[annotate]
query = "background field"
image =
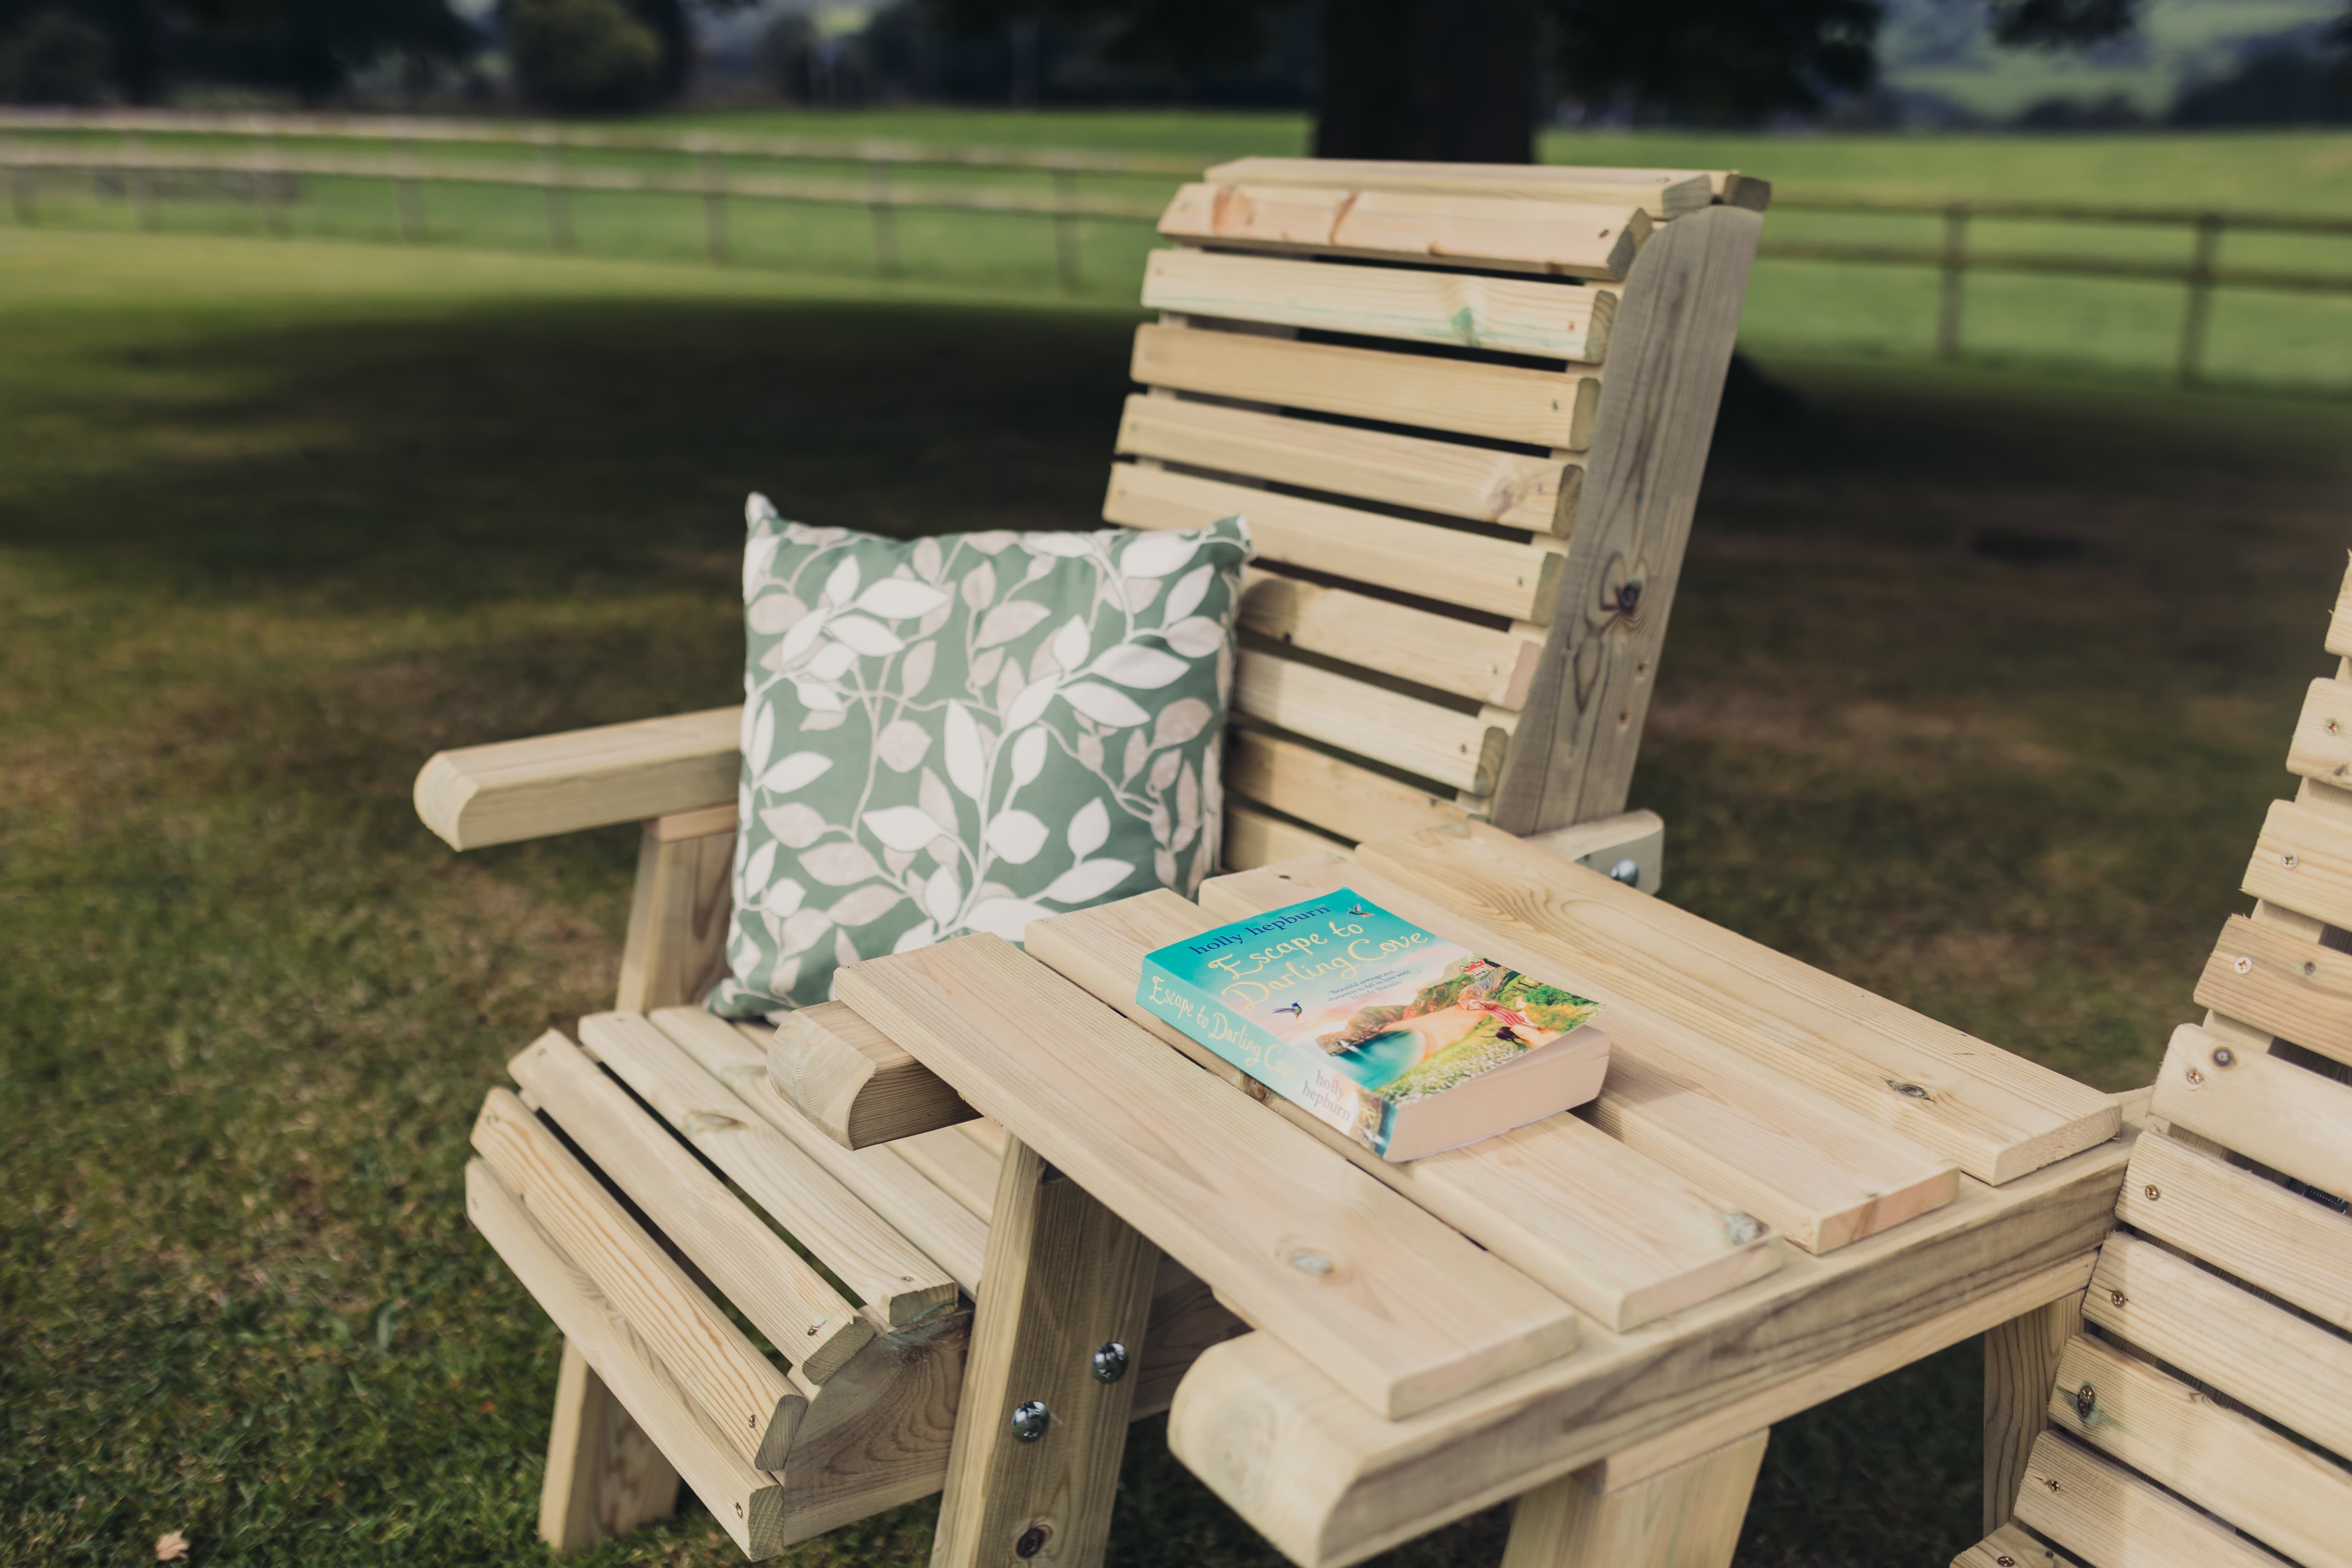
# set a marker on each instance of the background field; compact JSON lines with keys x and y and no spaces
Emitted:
{"x":2127,"y":329}
{"x":277,"y":520}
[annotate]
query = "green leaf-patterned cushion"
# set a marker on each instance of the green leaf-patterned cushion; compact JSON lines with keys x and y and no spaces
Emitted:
{"x":964,"y":734}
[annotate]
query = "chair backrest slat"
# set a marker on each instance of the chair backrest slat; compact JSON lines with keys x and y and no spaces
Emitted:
{"x":1352,"y":800}
{"x":1446,"y":653}
{"x":1661,"y":193}
{"x":1505,"y":233}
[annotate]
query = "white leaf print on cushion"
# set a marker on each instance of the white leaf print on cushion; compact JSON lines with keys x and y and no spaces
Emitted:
{"x":1087,"y":881}
{"x":1104,"y":705}
{"x":904,"y":827}
{"x":1017,"y":836}
{"x":1089,"y":829}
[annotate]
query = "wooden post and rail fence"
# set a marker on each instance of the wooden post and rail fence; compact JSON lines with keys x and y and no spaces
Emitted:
{"x":713,"y":168}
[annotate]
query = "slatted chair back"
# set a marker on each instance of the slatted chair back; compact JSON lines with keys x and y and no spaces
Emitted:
{"x":1465,"y":409}
{"x":2207,"y":1405}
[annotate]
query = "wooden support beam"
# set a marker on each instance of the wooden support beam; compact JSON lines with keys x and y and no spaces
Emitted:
{"x":1688,"y":1517}
{"x":676,"y":946}
{"x":2021,"y":1365}
{"x":605,"y":1477}
{"x":1066,"y":1290}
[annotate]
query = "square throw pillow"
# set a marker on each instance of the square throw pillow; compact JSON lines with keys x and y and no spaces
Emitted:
{"x":966,"y":732}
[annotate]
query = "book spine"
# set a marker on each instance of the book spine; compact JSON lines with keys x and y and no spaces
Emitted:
{"x":1331,"y":1096}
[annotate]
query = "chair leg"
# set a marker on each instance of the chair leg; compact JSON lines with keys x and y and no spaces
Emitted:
{"x":1063,"y":1277}
{"x":605,"y":1477}
{"x":1688,"y":1517}
{"x":2021,"y":1365}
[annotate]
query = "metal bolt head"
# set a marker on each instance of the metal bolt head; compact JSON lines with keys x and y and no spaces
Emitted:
{"x":1110,"y":1362}
{"x":2243,"y":965}
{"x":2005,"y":1563}
{"x":1307,"y":1262}
{"x":1031,"y":1541}
{"x":1030,"y":1419}
{"x":1627,"y":871}
{"x":1629,"y":594}
{"x":2151,"y":1192}
{"x":2086,"y":1399}
{"x":2224,"y":1057}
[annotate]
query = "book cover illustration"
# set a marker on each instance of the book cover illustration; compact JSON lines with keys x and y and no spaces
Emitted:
{"x":1352,"y":1011}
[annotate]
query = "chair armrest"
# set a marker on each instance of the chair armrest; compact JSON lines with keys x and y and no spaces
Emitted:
{"x":1629,"y":847}
{"x":583,"y":778}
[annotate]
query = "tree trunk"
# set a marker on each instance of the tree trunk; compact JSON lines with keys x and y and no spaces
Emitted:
{"x":1441,"y":80}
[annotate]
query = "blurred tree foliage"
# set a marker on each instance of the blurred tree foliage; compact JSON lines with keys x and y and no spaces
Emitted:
{"x":54,"y":57}
{"x":582,"y":56}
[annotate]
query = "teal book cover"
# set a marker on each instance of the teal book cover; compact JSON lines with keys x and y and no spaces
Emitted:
{"x":1358,"y":1015}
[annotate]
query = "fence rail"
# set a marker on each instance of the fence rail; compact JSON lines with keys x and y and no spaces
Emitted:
{"x":716,"y":176}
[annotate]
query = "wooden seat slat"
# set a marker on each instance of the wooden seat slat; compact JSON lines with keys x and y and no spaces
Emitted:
{"x":2289,"y":1497}
{"x":960,"y":1168}
{"x":1255,"y":838}
{"x":2258,"y":1229}
{"x":1661,"y":193}
{"x":2289,"y":1117}
{"x":1464,"y":749}
{"x":1475,"y":482}
{"x":1996,"y":1114}
{"x":2090,"y":1504}
{"x":1350,"y":802}
{"x":1470,"y":397}
{"x":1586,"y":239}
{"x":1496,"y":575}
{"x":2302,"y":861}
{"x":1300,"y":1242}
{"x":2280,"y":982}
{"x":1561,"y":320}
{"x":1460,"y":657}
{"x":2011,"y":1547}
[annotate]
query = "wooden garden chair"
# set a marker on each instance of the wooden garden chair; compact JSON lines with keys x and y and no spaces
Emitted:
{"x":2200,"y":1393}
{"x":1466,"y":411}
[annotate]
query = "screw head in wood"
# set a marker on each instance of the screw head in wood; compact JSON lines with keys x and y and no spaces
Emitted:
{"x":1629,"y":596}
{"x":2243,"y":965}
{"x":1110,"y":1362}
{"x":2196,"y":1076}
{"x":2333,"y":728}
{"x":2086,"y":1399}
{"x":2116,"y":1297}
{"x":2224,"y":1057}
{"x":1030,"y":1419}
{"x":2005,"y":1563}
{"x":1031,"y":1541}
{"x":1627,"y":871}
{"x":2151,"y":1192}
{"x":2310,"y":969}
{"x":2290,"y":860}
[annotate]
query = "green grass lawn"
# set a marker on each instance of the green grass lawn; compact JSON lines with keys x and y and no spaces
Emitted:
{"x":278,"y":519}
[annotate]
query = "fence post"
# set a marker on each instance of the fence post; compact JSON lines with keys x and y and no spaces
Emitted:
{"x":272,"y":183}
{"x":885,"y":234}
{"x":1956,"y":268}
{"x":141,"y":184}
{"x":559,"y":207}
{"x":2201,"y":297}
{"x":1065,"y":229}
{"x":404,"y":185}
{"x":20,"y":181}
{"x":714,"y":210}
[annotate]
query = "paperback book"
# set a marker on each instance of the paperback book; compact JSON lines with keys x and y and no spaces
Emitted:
{"x":1405,"y":1042}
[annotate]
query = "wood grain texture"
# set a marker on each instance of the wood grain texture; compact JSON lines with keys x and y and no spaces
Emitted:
{"x":1996,"y":1114}
{"x":847,"y":1077}
{"x":1821,"y":1176}
{"x":805,"y":1318}
{"x":2247,"y":1224}
{"x":1621,"y":1238}
{"x":1556,"y":321}
{"x":1477,"y":572}
{"x":1661,"y":192}
{"x":753,"y":1404}
{"x":2021,"y":1363}
{"x":1688,"y":1517}
{"x":2302,"y":861}
{"x":2322,"y":744}
{"x":747,"y":1503}
{"x":1350,"y":802}
{"x":1582,"y":724}
{"x":1065,"y":1276}
{"x":1193,"y":1167}
{"x":897,"y":1284}
{"x":1291,"y":1451}
{"x":605,"y":1477}
{"x":878,"y":1433}
{"x":1186,"y":1319}
{"x":2011,"y":1547}
{"x":1604,"y":843}
{"x":1592,"y":240}
{"x":2294,"y":1372}
{"x":2339,"y":622}
{"x":2283,"y":984}
{"x":1461,"y":656}
{"x":1462,"y":751}
{"x":2290,"y":1499}
{"x":1255,"y":838}
{"x":678,"y":914}
{"x":583,"y":778}
{"x":2289,"y":1117}
{"x":1507,"y":402}
{"x":958,"y":1166}
{"x":941,"y":1229}
{"x":1481,"y":483}
{"x":2095,"y":1506}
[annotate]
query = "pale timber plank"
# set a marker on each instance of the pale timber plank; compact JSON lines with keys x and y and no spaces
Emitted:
{"x":2289,"y":1117}
{"x":2339,"y":622}
{"x":2282,"y":985}
{"x":1354,"y":803}
{"x":1481,"y":483}
{"x":849,"y":1079}
{"x":1688,"y":1517}
{"x":2011,"y":1547}
{"x":898,"y":1283}
{"x":805,"y":1318}
{"x":1254,"y":838}
{"x":754,"y":1405}
{"x":1406,"y":1310}
{"x":2270,"y":1486}
{"x":946,"y":1232}
{"x":678,"y":913}
{"x":1587,"y":239}
{"x":2095,"y":1506}
{"x":878,"y":1433}
{"x":1821,"y":1176}
{"x":1661,"y":192}
{"x":604,"y":1477}
{"x":1621,"y":1238}
{"x":747,"y":1503}
{"x":1557,"y":320}
{"x":2296,"y":1372}
{"x":1463,"y":750}
{"x":1292,"y":1452}
{"x":2321,"y":746}
{"x":1471,"y":570}
{"x":1997,"y":1115}
{"x":956,"y":1166}
{"x":583,"y":778}
{"x":2278,"y":1240}
{"x":1552,"y":408}
{"x":2302,"y":860}
{"x":1456,"y":656}
{"x":2021,"y":1361}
